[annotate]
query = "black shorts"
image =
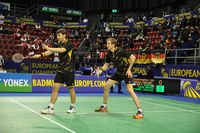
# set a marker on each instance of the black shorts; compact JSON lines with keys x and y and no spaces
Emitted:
{"x":119,"y":77}
{"x":67,"y":78}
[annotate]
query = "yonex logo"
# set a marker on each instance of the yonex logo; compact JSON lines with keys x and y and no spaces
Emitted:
{"x":15,"y":82}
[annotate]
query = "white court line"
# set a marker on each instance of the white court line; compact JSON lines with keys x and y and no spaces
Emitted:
{"x":41,"y":115}
{"x":167,"y":106}
{"x":150,"y":111}
{"x":180,"y":104}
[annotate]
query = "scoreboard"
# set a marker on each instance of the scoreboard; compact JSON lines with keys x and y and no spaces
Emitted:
{"x":158,"y":85}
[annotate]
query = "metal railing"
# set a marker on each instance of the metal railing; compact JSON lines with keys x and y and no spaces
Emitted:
{"x":173,"y":56}
{"x":29,"y":11}
{"x":183,"y":56}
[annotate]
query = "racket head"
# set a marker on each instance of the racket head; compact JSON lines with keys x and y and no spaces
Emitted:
{"x":18,"y":57}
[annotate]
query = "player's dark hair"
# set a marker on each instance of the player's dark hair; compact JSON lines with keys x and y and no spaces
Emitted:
{"x":62,"y":31}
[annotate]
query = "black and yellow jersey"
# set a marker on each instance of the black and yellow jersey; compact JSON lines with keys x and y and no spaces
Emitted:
{"x":120,"y":58}
{"x":67,"y":58}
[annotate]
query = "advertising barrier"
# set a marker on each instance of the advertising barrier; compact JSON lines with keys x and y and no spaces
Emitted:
{"x":10,"y":82}
{"x":190,"y":88}
{"x":39,"y":83}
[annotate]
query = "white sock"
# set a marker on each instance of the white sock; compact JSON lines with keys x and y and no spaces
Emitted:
{"x":104,"y":105}
{"x":73,"y":105}
{"x":140,"y":109}
{"x":51,"y":105}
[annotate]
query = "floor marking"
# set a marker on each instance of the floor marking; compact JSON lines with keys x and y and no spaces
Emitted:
{"x":33,"y":111}
{"x":180,"y":104}
{"x":168,"y":106}
{"x":150,"y":111}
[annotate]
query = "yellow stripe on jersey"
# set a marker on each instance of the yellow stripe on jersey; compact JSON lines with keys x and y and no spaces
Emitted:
{"x":126,"y":60}
{"x":70,"y":54}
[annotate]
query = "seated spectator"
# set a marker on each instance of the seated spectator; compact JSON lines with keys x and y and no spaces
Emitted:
{"x":1,"y":19}
{"x":87,"y":69}
{"x":2,"y":70}
{"x":37,"y":26}
{"x":17,"y":35}
{"x":85,"y":20}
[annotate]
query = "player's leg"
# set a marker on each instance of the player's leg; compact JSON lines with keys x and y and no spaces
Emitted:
{"x":72,"y":95}
{"x":69,"y":80}
{"x":58,"y":82}
{"x":106,"y":88}
{"x":136,"y":101}
{"x":73,"y":100}
{"x":54,"y":93}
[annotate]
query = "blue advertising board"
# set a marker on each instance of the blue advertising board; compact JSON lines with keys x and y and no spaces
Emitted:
{"x":44,"y":83}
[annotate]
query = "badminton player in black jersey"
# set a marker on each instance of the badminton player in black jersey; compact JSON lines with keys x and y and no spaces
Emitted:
{"x":65,"y":73}
{"x":123,"y":61}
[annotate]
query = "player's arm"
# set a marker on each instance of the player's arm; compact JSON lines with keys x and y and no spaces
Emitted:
{"x":104,"y":68}
{"x":54,"y":50}
{"x":131,"y":62}
{"x":46,"y":53}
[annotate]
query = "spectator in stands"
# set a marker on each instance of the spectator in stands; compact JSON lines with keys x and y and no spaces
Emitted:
{"x":22,"y":26}
{"x":102,"y":19}
{"x":87,"y":69}
{"x":27,"y":36}
{"x":38,"y":42}
{"x":144,"y":18}
{"x":125,"y":19}
{"x":130,"y":22}
{"x":76,"y":34}
{"x":17,"y":34}
{"x":85,"y":20}
{"x":37,"y":26}
{"x":107,"y":29}
{"x":2,"y":70}
{"x":1,"y":61}
{"x":1,"y":27}
{"x":1,"y":18}
{"x":24,"y":39}
{"x":80,"y":67}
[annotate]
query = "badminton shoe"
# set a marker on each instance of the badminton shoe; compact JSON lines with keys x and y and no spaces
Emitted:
{"x":138,"y":115}
{"x":71,"y":110}
{"x":101,"y":109}
{"x":47,"y":110}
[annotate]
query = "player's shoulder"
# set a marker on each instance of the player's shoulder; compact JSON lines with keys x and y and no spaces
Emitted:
{"x":121,"y":50}
{"x":69,"y":44}
{"x":109,"y":52}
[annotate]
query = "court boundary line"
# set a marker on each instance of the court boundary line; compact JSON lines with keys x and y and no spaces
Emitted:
{"x":166,"y":106}
{"x":153,"y":111}
{"x":33,"y":111}
{"x":180,"y":104}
